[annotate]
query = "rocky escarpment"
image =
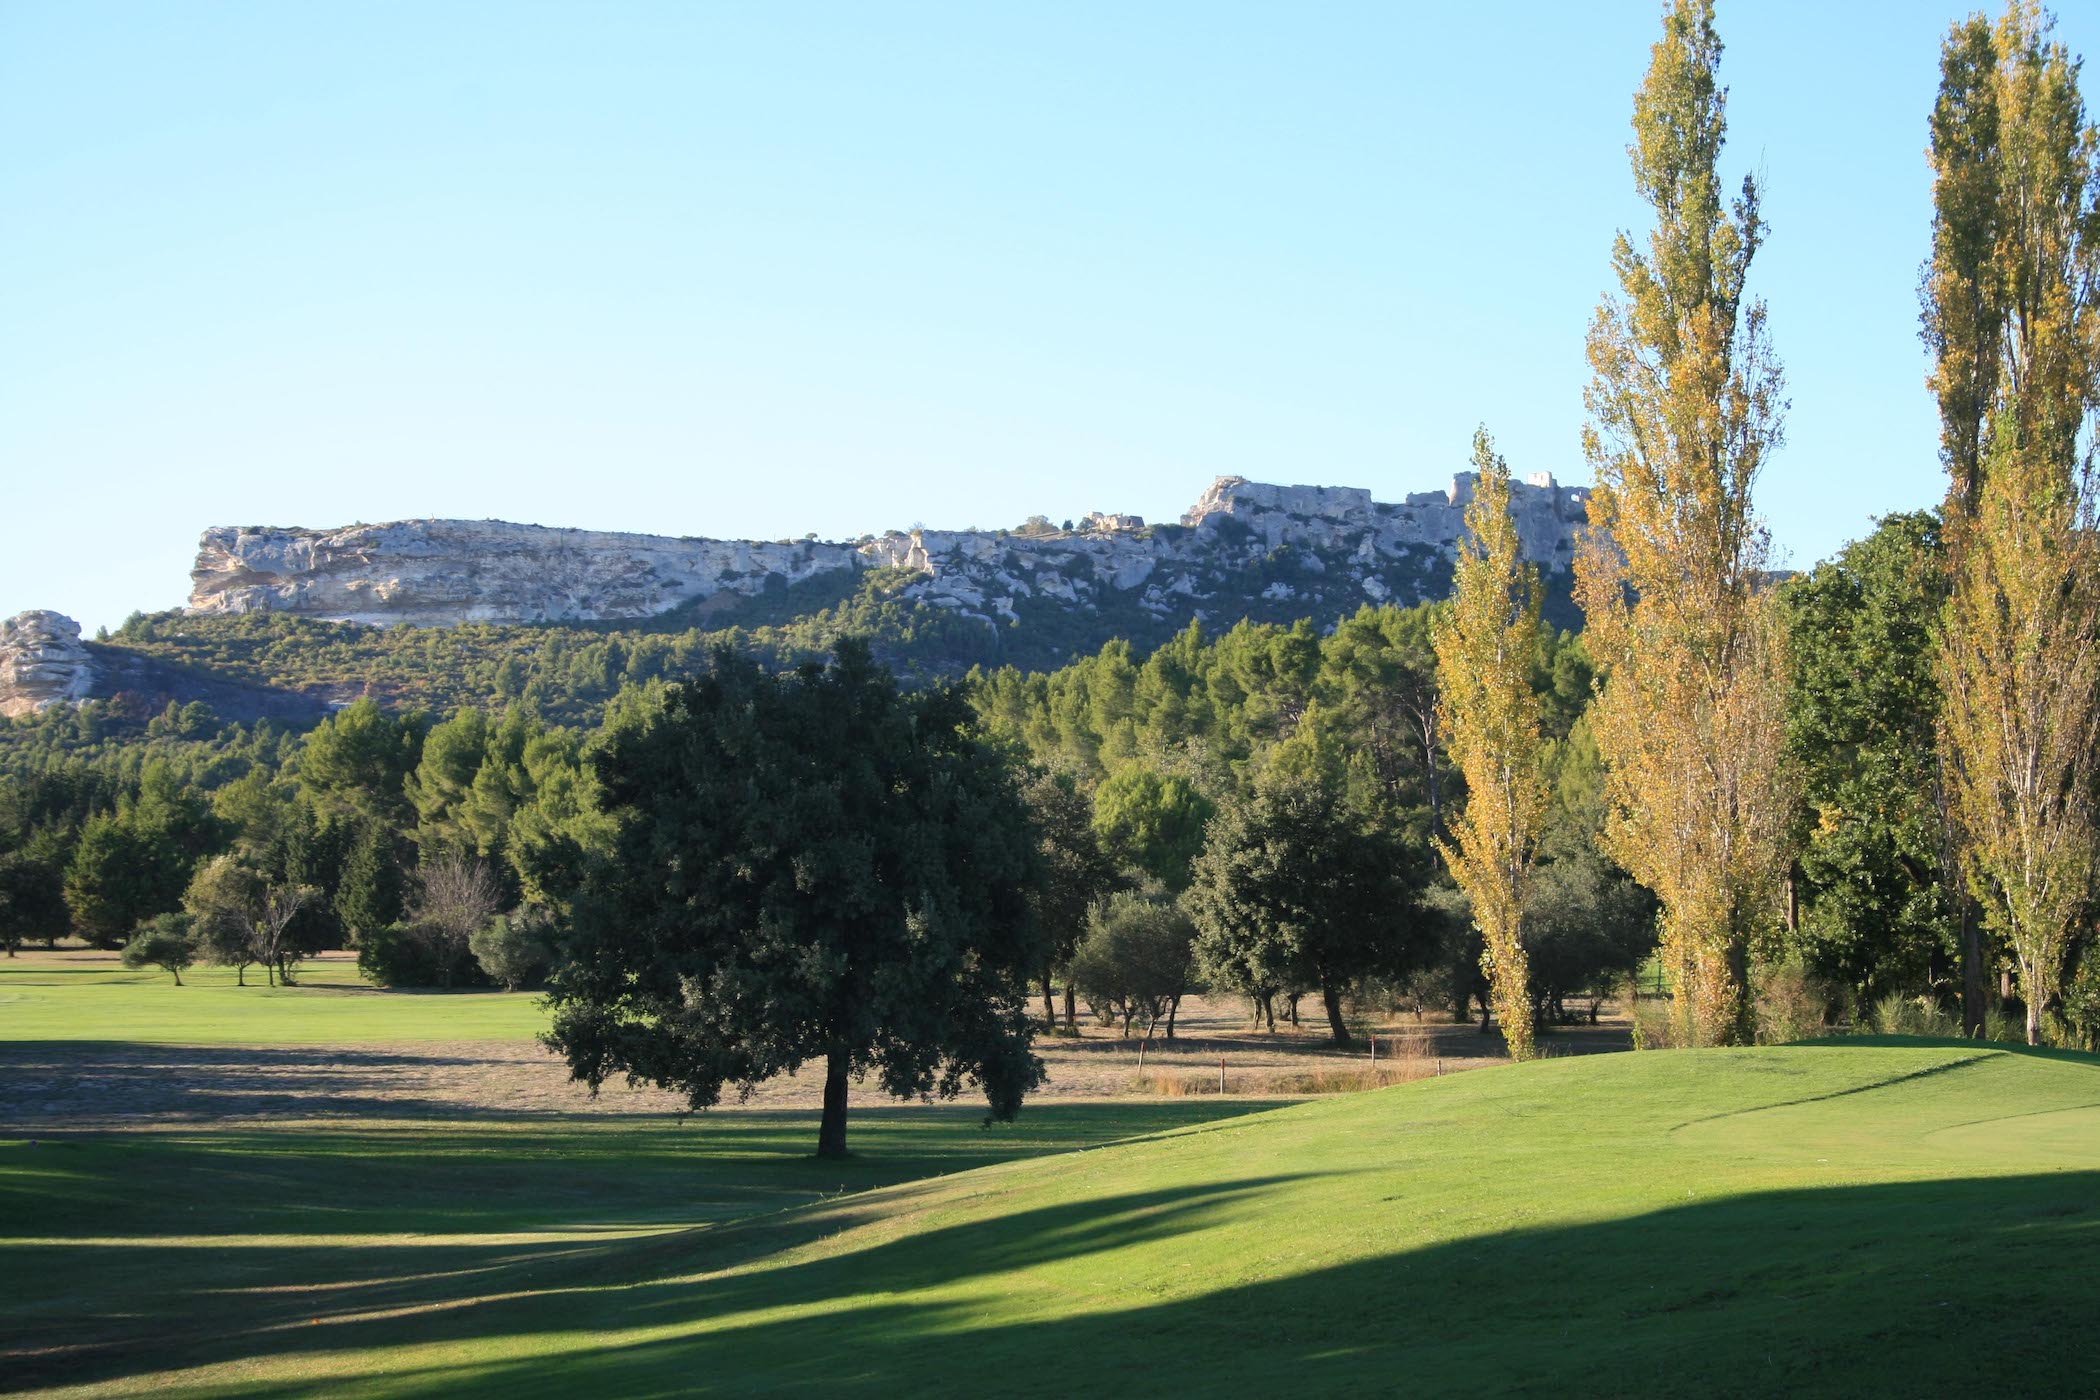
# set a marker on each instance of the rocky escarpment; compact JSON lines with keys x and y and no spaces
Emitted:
{"x":42,"y":663}
{"x":1241,"y":543}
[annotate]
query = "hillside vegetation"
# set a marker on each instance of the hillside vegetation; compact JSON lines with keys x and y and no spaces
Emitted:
{"x":1820,"y":1220}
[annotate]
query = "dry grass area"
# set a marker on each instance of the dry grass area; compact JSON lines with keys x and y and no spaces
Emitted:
{"x":48,"y":1083}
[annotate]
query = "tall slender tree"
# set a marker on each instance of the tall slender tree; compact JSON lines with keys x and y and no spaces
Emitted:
{"x":1486,"y":646}
{"x":1685,"y":405}
{"x":2020,"y":646}
{"x":1963,"y":325}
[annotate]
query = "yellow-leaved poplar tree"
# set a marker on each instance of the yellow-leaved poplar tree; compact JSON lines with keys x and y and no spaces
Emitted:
{"x":1684,"y":407}
{"x":2020,"y":642}
{"x":1486,"y":645}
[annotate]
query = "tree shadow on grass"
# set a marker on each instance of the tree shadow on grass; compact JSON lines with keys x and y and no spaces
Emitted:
{"x":1979,"y":1286}
{"x":379,"y":1293}
{"x":175,"y":1247}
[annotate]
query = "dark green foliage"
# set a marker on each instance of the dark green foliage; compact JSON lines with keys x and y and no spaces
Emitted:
{"x":806,"y":867}
{"x":165,"y":941}
{"x":2080,"y":1010}
{"x":402,"y":955}
{"x":372,"y":892}
{"x":33,"y":890}
{"x":1076,"y":871}
{"x":115,"y":880}
{"x":361,"y":756}
{"x":1586,"y":929}
{"x":1296,"y":890}
{"x":1862,"y":725}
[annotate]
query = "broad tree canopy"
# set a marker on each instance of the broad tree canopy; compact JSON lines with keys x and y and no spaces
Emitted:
{"x":810,"y":866}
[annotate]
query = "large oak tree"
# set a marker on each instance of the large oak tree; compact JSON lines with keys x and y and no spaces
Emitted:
{"x":810,"y":866}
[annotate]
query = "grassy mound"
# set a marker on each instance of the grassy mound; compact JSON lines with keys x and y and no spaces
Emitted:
{"x":1846,"y":1218}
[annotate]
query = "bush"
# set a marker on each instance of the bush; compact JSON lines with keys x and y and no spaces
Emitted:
{"x":1897,"y":1014}
{"x":164,"y":941}
{"x":2081,"y":1003}
{"x":1793,"y":1004}
{"x":516,"y":950}
{"x":411,"y":955}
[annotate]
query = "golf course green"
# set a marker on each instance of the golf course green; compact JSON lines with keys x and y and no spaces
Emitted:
{"x":1844,"y":1218}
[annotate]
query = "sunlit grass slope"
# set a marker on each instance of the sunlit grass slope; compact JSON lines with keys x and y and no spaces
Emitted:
{"x":1848,"y":1218}
{"x":50,"y":999}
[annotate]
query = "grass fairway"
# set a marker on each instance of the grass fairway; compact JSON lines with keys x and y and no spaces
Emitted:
{"x":1845,"y":1218}
{"x":54,"y":999}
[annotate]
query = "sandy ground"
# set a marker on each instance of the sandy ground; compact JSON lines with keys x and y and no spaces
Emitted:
{"x":83,"y":1084}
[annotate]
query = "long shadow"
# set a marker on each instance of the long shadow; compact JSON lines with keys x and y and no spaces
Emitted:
{"x":232,"y":1226}
{"x":677,"y":1279}
{"x":1980,"y":1286}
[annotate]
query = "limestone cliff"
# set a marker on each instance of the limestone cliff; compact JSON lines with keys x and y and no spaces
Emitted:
{"x":1241,"y":541}
{"x":42,"y":662}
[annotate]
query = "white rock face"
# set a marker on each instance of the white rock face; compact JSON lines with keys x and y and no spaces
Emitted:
{"x":440,"y":572}
{"x":42,"y":663}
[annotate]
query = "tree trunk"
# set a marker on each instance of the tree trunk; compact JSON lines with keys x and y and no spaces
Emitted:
{"x":1972,"y":994}
{"x":831,"y":1133}
{"x":1049,"y":1006}
{"x":1294,"y":1010}
{"x":1332,"y":996}
{"x":1070,"y":1005}
{"x":1173,"y":1010}
{"x":176,"y":970}
{"x":1743,"y":1015}
{"x":2034,"y":1021}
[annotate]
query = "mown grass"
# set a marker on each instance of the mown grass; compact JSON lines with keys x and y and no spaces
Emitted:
{"x":42,"y":998}
{"x":1846,"y":1218}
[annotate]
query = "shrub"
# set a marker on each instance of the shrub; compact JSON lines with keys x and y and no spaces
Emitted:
{"x":1897,"y":1014}
{"x":1792,"y":1004}
{"x":516,"y":950}
{"x":412,"y":955}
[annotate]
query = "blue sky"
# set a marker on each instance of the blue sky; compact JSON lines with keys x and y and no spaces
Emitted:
{"x":762,"y":269}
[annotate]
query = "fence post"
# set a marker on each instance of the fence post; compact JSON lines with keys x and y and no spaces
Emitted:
{"x":1374,"y":1049}
{"x":1221,"y":1074}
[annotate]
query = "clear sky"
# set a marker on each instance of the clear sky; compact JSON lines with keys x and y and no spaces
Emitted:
{"x":758,"y":269}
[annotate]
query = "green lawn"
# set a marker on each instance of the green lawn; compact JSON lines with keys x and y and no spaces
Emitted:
{"x":1846,"y":1218}
{"x":50,"y":999}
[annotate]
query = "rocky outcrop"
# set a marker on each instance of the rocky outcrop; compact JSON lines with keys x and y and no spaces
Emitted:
{"x":42,"y":663}
{"x":1242,"y":542}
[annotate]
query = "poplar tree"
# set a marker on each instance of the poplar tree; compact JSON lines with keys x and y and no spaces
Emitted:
{"x":2020,"y":647}
{"x":1962,"y":323}
{"x":1684,"y":407}
{"x":1485,"y":648}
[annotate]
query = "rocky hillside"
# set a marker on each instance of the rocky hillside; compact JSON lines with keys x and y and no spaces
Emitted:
{"x":1330,"y":547}
{"x":448,"y":612}
{"x":43,"y":662}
